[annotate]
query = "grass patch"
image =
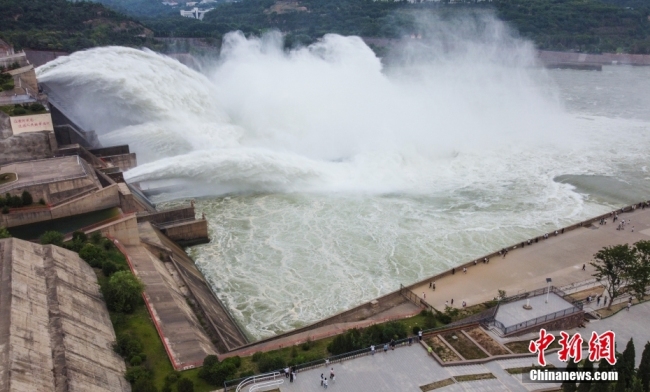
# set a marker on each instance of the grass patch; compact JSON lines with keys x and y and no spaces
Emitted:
{"x":442,"y":351}
{"x":486,"y":342}
{"x":521,"y":346}
{"x":6,"y":178}
{"x":26,"y":108}
{"x":527,"y":369}
{"x":474,"y":377}
{"x":464,"y":346}
{"x":437,"y":384}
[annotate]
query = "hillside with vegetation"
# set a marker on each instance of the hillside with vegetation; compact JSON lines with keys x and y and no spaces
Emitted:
{"x":593,"y":26}
{"x":67,"y":26}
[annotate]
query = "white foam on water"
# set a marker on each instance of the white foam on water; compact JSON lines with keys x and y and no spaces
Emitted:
{"x":344,"y":178}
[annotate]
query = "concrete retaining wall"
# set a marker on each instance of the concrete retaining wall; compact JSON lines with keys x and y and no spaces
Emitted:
{"x":112,"y":150}
{"x":161,"y":217}
{"x":27,"y":147}
{"x":191,"y":232}
{"x":124,"y":162}
{"x":104,"y":198}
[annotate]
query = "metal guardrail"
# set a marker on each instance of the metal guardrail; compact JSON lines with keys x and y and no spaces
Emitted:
{"x":261,"y":381}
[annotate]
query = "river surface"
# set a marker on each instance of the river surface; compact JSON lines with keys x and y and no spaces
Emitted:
{"x":328,"y":180}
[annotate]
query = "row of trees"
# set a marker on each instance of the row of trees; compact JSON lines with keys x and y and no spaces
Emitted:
{"x":624,"y":268}
{"x":629,"y":378}
{"x":15,"y":201}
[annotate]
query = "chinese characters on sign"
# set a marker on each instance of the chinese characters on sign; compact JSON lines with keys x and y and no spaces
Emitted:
{"x":600,"y":346}
{"x":33,"y":123}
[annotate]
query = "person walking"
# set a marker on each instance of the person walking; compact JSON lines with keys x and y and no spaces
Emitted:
{"x":452,"y":302}
{"x":286,"y":372}
{"x":464,"y":270}
{"x":332,"y":374}
{"x":424,"y":295}
{"x":372,"y":349}
{"x":325,"y":383}
{"x":629,"y":305}
{"x":433,"y":285}
{"x":322,"y":378}
{"x":419,"y":335}
{"x":290,"y":377}
{"x":584,"y":266}
{"x":410,"y":340}
{"x":605,"y":301}
{"x":385,"y":347}
{"x":598,"y":301}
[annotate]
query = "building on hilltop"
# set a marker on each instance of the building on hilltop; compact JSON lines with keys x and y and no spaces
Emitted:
{"x":195,"y":13}
{"x":55,"y":329}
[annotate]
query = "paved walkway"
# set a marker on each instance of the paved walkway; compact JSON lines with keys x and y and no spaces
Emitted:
{"x":408,"y":368}
{"x":560,"y":258}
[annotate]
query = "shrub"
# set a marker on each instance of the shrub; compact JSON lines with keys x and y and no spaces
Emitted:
{"x":4,"y":233}
{"x":52,"y":237}
{"x":185,"y":385}
{"x":18,"y":111}
{"x":36,"y":107}
{"x":96,"y":237}
{"x":307,"y":345}
{"x":236,"y":360}
{"x":92,"y":255}
{"x":3,"y":201}
{"x":27,"y":198}
{"x":128,"y":346}
{"x":135,"y":373}
{"x":210,"y":361}
{"x":172,"y":377}
{"x":144,"y":385}
{"x":109,"y":268}
{"x":41,"y":201}
{"x":79,"y":236}
{"x":416,"y":329}
{"x":123,"y":292}
{"x":257,"y":356}
{"x":135,"y":360}
{"x":218,"y":372}
{"x":271,"y":362}
{"x":5,"y":210}
{"x":14,"y":201}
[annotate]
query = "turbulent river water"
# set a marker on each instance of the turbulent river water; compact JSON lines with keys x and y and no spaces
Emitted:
{"x":329,"y":179}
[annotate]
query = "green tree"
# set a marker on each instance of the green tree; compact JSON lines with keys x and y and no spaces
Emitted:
{"x":587,"y":366}
{"x":27,"y":198}
{"x":4,"y":233}
{"x":603,"y":365}
{"x":637,"y":386}
{"x":625,"y":368}
{"x":123,"y":292}
{"x":93,"y":255}
{"x":52,"y":237}
{"x":570,"y":386}
{"x":644,"y":368}
{"x":185,"y":385}
{"x":612,"y":263}
{"x":639,"y":273}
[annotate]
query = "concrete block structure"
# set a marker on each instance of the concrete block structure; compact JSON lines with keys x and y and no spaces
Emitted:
{"x":55,"y":330}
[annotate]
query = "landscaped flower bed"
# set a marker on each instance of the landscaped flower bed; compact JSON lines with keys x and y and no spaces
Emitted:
{"x":463,"y":345}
